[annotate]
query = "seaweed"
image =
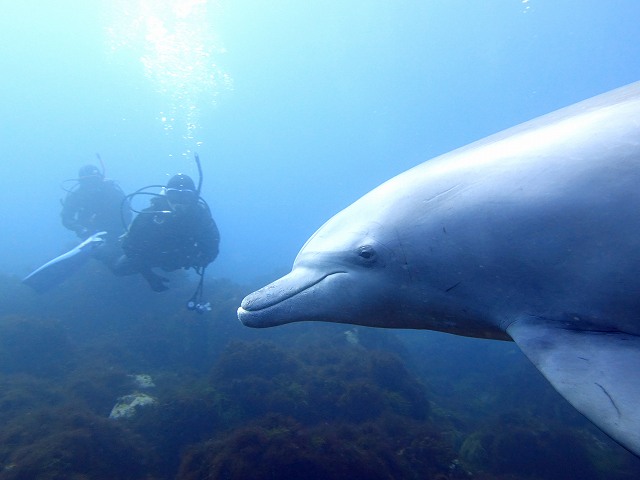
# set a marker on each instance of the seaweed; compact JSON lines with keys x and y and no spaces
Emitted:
{"x":278,"y":447}
{"x":318,"y":384}
{"x":516,"y":446}
{"x":69,"y":442}
{"x":306,"y":400}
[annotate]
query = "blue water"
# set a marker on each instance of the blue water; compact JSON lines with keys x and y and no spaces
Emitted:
{"x":295,"y":108}
{"x":312,"y":104}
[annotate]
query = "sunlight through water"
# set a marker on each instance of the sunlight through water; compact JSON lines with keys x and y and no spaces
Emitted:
{"x":178,"y":53}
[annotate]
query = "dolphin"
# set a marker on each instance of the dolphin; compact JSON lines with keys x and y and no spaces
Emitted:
{"x":530,"y":235}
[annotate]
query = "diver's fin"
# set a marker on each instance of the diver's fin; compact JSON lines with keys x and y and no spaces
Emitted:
{"x":597,"y":372}
{"x":60,"y":268}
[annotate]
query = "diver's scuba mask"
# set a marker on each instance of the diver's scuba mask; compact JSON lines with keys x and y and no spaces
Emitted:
{"x":180,"y":199}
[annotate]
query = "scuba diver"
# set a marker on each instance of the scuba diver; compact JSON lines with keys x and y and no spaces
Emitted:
{"x":93,"y":209}
{"x":94,"y":205}
{"x":175,"y":231}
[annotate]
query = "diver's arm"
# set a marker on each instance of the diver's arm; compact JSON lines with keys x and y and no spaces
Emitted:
{"x":69,"y":214}
{"x":208,"y":243}
{"x":131,"y":241}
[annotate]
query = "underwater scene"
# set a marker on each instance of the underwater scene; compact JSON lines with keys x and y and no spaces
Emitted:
{"x":111,"y":381}
{"x":221,"y":135}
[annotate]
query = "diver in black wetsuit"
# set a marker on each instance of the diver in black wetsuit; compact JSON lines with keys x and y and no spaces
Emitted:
{"x":175,"y":231}
{"x":94,"y":205}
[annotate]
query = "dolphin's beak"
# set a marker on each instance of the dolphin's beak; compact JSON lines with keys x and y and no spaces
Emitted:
{"x":257,"y":309}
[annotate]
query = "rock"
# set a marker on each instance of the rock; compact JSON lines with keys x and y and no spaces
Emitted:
{"x":127,"y":405}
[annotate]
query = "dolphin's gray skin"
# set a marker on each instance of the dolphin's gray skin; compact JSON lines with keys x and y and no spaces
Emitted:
{"x":532,"y":234}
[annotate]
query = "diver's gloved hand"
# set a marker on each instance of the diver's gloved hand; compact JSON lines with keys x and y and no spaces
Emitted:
{"x":92,"y":242}
{"x":99,"y":237}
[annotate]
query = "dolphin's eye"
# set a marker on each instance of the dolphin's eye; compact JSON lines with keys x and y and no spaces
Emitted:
{"x":367,"y":252}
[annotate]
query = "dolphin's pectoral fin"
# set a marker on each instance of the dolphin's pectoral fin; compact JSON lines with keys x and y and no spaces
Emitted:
{"x":597,"y":372}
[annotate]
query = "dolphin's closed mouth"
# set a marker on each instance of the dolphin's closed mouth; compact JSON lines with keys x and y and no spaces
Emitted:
{"x":283,"y":289}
